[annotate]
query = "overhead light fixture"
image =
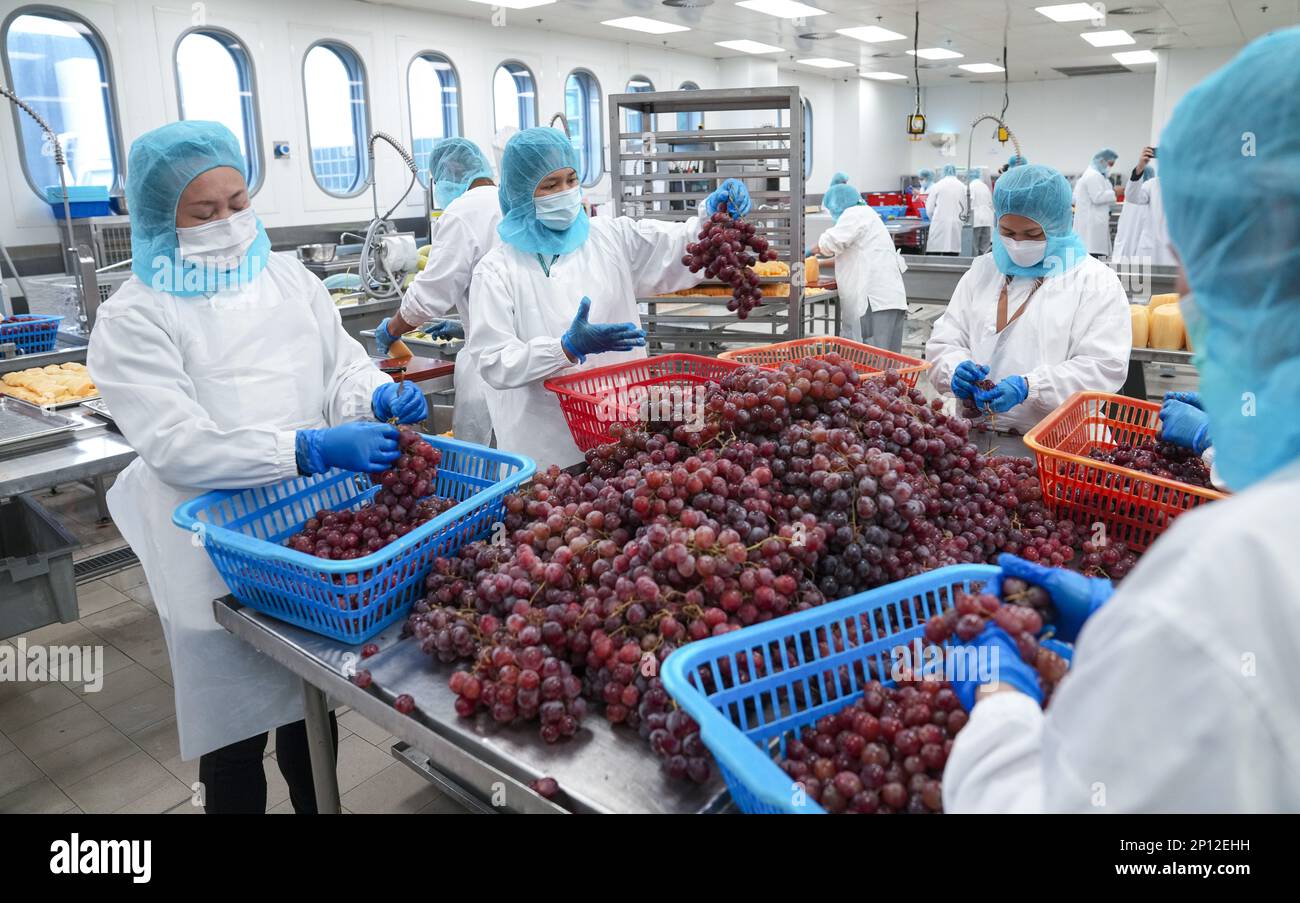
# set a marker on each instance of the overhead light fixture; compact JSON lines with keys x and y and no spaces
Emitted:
{"x":824,"y":62}
{"x":641,"y":23}
{"x":1071,"y":12}
{"x":782,"y":9}
{"x":1135,"y":57}
{"x":982,"y":68}
{"x":871,"y":34}
{"x":936,"y":53}
{"x":514,"y":4}
{"x":1108,"y":38}
{"x":748,"y":46}
{"x":884,"y":76}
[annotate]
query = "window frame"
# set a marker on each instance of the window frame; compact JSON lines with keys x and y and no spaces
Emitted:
{"x":595,"y":145}
{"x":651,"y":125}
{"x":807,"y":137}
{"x":253,"y":115}
{"x":111,"y":112}
{"x":689,"y":85}
{"x":426,"y":55}
{"x":532,"y":77}
{"x":363,"y":164}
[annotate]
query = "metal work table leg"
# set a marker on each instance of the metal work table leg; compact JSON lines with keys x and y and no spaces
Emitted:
{"x":320,"y":744}
{"x":101,"y":499}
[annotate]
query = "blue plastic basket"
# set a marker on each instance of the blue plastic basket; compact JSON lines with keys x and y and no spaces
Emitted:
{"x":31,"y":333}
{"x":243,"y":532}
{"x":891,"y":211}
{"x":746,"y":723}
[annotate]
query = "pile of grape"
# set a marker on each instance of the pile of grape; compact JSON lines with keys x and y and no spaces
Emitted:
{"x":724,"y":252}
{"x":401,"y":505}
{"x":807,"y":484}
{"x":1159,"y":459}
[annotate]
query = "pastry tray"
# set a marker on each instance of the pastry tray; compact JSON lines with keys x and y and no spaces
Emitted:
{"x":58,"y":405}
{"x":24,"y":425}
{"x":98,"y":406}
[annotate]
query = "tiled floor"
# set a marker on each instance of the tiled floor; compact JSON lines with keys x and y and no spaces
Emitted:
{"x":63,"y":749}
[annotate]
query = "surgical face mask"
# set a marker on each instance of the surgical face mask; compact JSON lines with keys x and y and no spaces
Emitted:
{"x":222,"y":244}
{"x":1025,"y":253}
{"x":558,"y":211}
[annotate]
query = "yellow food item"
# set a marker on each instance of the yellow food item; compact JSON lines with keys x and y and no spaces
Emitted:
{"x":1166,"y":330}
{"x":778,"y":269}
{"x":812,"y":271}
{"x":52,"y":384}
{"x":1140,"y":318}
{"x":1160,"y":300}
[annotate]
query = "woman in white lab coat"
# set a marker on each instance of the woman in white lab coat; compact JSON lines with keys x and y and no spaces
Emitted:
{"x":868,"y":269}
{"x":1182,"y":692}
{"x":981,"y":199}
{"x":1134,"y":220}
{"x":559,"y":294}
{"x":1144,"y":192}
{"x":225,"y":367}
{"x":1093,"y":196}
{"x":1038,"y":316}
{"x":466,"y":230}
{"x":945,"y":205}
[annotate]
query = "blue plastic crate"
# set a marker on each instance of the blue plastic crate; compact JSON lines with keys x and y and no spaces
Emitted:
{"x":244,"y":532}
{"x":746,"y":724}
{"x":888,"y":212}
{"x":31,"y":333}
{"x":83,"y":201}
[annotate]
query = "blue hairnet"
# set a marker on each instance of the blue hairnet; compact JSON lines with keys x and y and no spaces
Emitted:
{"x":840,"y":196}
{"x":1016,"y":160}
{"x":529,"y":157}
{"x":927,"y":175}
{"x":949,"y":170}
{"x":1042,"y":194}
{"x":1102,"y":157}
{"x":454,"y":165}
{"x":1228,"y":164}
{"x":158,"y":169}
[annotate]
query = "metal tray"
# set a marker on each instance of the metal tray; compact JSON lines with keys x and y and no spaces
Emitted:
{"x":447,"y":349}
{"x":23,"y":425}
{"x":98,"y":406}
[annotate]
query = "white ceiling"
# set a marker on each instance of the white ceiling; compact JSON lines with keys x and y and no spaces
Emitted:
{"x":973,"y":27}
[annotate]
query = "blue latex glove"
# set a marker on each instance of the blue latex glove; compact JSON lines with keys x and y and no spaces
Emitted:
{"x":734,"y":193}
{"x":399,"y":400}
{"x":998,"y":661}
{"x":1185,"y":425}
{"x":361,"y":447}
{"x":584,"y":338}
{"x":1191,"y":398}
{"x":966,"y":379}
{"x":447,"y":329}
{"x":383,"y":338}
{"x":1004,"y":396}
{"x":1075,"y":597}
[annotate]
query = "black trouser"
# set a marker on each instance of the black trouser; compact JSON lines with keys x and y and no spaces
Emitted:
{"x":234,"y":779}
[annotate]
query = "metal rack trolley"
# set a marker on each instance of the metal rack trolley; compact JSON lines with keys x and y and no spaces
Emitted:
{"x":664,"y":174}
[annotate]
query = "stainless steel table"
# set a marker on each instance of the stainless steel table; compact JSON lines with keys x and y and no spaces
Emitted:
{"x":482,"y":764}
{"x":90,"y":452}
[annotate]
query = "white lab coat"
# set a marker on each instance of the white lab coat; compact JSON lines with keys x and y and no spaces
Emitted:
{"x":945,"y":204}
{"x":1134,"y":221}
{"x":520,"y":314}
{"x":1093,"y":195}
{"x":466,"y":231}
{"x":981,"y":204}
{"x":210,"y":392}
{"x":868,"y":268}
{"x":1075,"y":335}
{"x":1153,"y":242}
{"x":1183,"y":689}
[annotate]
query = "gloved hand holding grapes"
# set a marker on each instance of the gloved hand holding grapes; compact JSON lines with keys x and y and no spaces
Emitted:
{"x":998,"y":661}
{"x":400,"y":402}
{"x":361,"y":447}
{"x":734,"y":194}
{"x":1075,"y":597}
{"x":1184,"y":422}
{"x":966,"y":379}
{"x":1004,"y":396}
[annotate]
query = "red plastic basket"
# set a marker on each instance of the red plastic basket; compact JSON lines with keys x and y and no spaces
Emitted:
{"x":864,"y":358}
{"x":591,"y":402}
{"x":1135,"y":507}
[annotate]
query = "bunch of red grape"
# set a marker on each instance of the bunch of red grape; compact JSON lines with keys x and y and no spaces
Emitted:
{"x":1159,"y":459}
{"x":402,"y":504}
{"x":883,"y":753}
{"x":727,"y":250}
{"x":807,"y":483}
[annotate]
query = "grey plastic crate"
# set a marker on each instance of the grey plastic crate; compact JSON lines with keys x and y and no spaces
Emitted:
{"x":37,"y":583}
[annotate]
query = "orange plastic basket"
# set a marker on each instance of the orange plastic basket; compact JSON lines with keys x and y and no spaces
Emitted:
{"x":1135,"y":507}
{"x":594,"y":400}
{"x":865,"y":358}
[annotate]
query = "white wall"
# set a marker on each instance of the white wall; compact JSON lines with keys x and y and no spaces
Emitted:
{"x":1177,"y":72}
{"x":1061,"y":123}
{"x":141,"y":35}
